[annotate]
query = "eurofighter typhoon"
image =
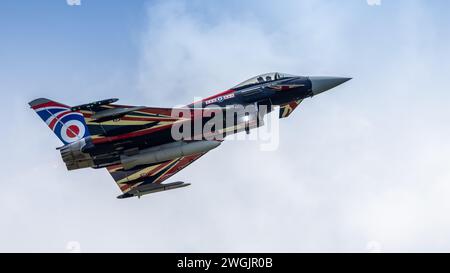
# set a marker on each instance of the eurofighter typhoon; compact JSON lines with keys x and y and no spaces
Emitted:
{"x":142,"y":147}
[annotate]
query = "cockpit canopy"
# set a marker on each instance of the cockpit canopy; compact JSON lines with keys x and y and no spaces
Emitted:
{"x":268,"y":77}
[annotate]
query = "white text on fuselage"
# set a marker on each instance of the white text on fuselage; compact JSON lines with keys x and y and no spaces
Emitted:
{"x":220,"y":99}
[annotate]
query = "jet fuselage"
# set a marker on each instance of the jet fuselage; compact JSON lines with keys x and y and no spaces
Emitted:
{"x":140,"y":146}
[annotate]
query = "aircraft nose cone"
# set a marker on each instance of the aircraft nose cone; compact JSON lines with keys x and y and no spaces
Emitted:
{"x":322,"y":84}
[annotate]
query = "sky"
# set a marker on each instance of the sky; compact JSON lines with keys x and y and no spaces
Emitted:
{"x":362,"y":168}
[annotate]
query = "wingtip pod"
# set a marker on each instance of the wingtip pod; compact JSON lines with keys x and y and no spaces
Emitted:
{"x":152,"y":188}
{"x":93,"y":105}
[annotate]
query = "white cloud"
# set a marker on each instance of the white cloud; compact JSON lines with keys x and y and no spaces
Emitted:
{"x":373,"y":2}
{"x":345,"y":176}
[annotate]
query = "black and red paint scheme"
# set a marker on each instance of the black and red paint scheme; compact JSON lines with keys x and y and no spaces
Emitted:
{"x":136,"y":143}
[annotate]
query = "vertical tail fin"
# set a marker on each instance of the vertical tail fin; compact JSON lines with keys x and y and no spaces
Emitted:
{"x":68,"y":126}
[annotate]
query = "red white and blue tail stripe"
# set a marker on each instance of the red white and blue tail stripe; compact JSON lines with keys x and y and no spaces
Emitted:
{"x":67,"y":125}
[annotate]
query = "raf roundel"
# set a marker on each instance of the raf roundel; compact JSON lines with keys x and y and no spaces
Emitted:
{"x":69,"y":126}
{"x":72,"y":130}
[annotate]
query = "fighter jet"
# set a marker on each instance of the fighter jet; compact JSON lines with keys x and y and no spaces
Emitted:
{"x":139,"y":146}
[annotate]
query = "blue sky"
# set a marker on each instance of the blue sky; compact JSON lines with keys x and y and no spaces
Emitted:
{"x":100,"y":38}
{"x":70,"y":43}
{"x":364,"y":165}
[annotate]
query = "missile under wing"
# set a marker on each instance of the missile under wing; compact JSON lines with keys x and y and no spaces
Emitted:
{"x":137,"y":181}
